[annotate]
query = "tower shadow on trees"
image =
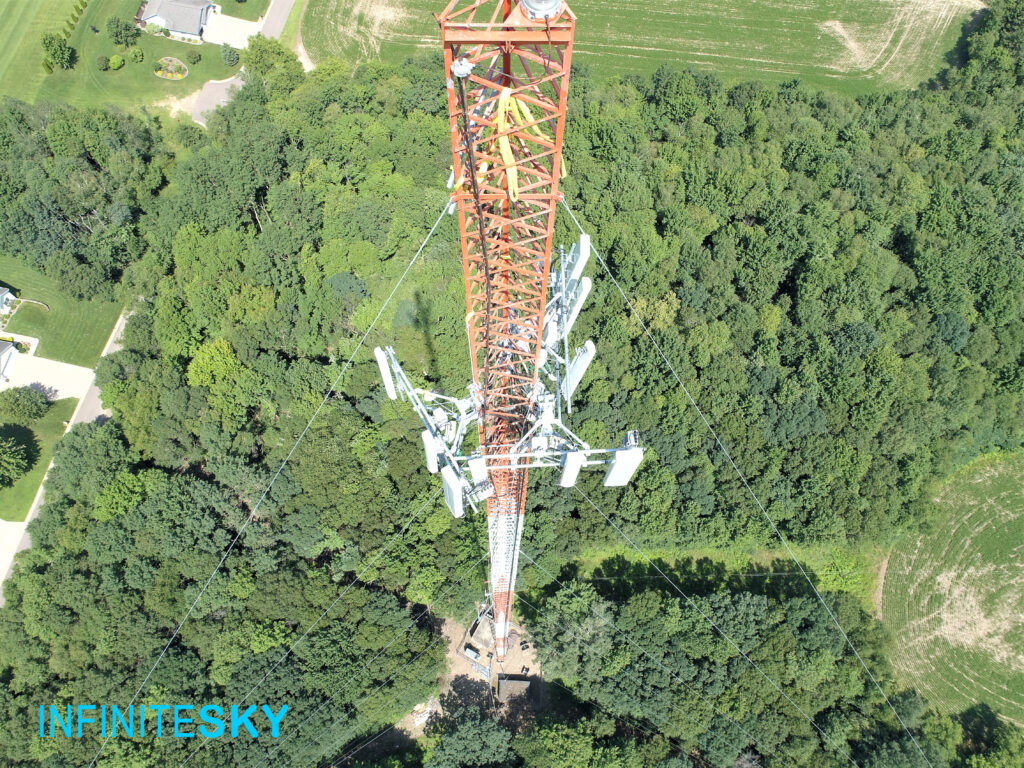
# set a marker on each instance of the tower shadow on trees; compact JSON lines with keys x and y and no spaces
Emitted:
{"x":618,"y":578}
{"x":422,"y":324}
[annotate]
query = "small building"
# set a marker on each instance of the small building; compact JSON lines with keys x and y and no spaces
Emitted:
{"x":7,"y":353}
{"x":184,"y":18}
{"x":512,"y":687}
{"x":6,"y":300}
{"x":472,"y":652}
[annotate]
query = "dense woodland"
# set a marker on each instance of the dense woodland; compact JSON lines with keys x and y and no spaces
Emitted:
{"x":840,"y":282}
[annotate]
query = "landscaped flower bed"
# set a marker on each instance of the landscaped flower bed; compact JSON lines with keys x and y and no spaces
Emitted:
{"x":170,"y":68}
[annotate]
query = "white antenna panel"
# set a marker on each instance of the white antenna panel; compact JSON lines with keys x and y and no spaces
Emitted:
{"x":582,"y":291}
{"x":452,"y":490}
{"x":582,"y":257}
{"x":430,"y":448}
{"x":577,"y":368}
{"x":478,"y":469}
{"x":550,"y":328}
{"x":571,"y":469}
{"x":624,"y":466}
{"x":385,"y":373}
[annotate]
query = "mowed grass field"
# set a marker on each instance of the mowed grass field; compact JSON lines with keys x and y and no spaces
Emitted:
{"x":852,"y":46}
{"x":21,"y":34}
{"x":953,"y":599}
{"x":72,"y":331}
{"x":16,"y":500}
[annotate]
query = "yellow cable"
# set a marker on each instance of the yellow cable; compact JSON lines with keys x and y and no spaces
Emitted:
{"x":505,"y":146}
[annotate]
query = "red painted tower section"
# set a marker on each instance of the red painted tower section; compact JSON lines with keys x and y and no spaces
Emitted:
{"x":507,"y":122}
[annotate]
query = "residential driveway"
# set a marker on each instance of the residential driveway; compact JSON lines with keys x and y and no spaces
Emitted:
{"x":276,"y":16}
{"x":11,"y":535}
{"x":54,"y":379}
{"x":215,"y":93}
{"x":90,"y":408}
{"x":236,"y":32}
{"x":14,"y":536}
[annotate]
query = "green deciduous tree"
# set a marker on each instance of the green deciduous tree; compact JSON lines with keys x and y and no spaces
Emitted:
{"x":122,"y":31}
{"x":13,"y":460}
{"x":22,"y":405}
{"x":57,"y":51}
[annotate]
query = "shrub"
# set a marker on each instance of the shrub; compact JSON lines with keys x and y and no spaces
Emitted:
{"x":135,"y":55}
{"x":193,"y":57}
{"x":229,"y":55}
{"x":47,"y":66}
{"x":116,"y":62}
{"x":102,"y":63}
{"x":166,"y":33}
{"x":22,"y":405}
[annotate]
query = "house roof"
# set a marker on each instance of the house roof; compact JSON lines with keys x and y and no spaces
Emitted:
{"x":4,"y":291}
{"x":5,"y":345}
{"x":179,"y":15}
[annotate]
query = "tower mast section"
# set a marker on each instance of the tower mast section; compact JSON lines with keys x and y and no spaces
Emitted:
{"x":508,"y":80}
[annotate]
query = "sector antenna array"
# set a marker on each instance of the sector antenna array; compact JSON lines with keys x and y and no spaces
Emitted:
{"x":507,"y":68}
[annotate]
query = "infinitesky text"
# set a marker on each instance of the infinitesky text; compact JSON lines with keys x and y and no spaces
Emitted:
{"x":182,"y":721}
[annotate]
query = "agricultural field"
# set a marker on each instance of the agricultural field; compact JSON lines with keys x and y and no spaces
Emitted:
{"x":134,"y":84}
{"x":71,"y":331}
{"x":953,"y":598}
{"x":16,"y":500}
{"x":852,"y":47}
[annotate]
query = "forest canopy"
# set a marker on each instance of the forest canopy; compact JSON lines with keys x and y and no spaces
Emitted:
{"x":840,"y":282}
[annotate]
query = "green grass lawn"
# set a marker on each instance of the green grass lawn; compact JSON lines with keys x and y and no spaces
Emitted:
{"x":21,"y":34}
{"x":290,"y":33}
{"x":134,"y":84}
{"x":71,"y":331}
{"x":953,"y":598}
{"x":853,"y":47}
{"x":250,"y":10}
{"x":16,"y":500}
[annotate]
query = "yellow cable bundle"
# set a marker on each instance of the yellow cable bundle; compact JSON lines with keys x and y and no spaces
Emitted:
{"x":523,"y":115}
{"x":509,"y":105}
{"x":505,"y":146}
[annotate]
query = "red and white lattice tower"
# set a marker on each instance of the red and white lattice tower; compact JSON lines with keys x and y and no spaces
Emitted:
{"x":506,"y":101}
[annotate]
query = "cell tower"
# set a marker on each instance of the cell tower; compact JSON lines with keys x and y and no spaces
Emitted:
{"x":507,"y":68}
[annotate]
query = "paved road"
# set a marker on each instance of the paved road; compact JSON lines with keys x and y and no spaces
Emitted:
{"x":277,"y":15}
{"x":91,"y":409}
{"x":217,"y":93}
{"x":14,"y":536}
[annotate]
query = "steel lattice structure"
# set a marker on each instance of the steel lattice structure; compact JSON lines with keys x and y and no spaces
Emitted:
{"x":507,"y":113}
